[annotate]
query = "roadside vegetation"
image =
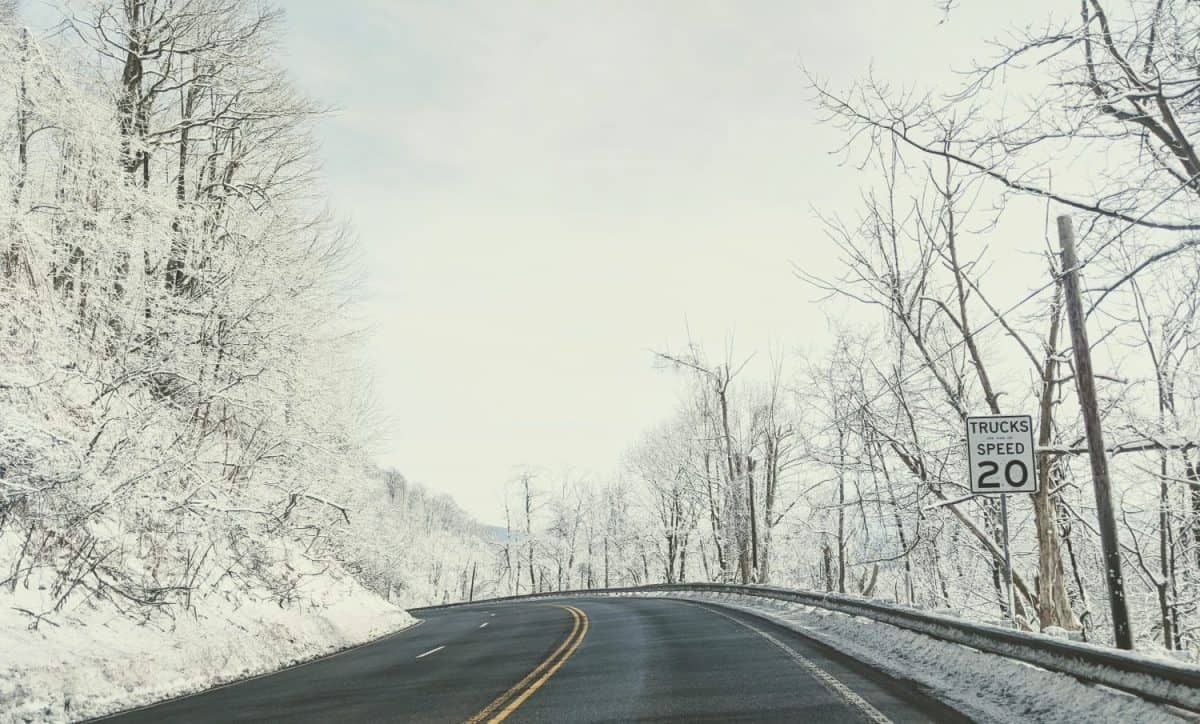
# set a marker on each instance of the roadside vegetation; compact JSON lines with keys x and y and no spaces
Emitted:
{"x":843,"y":468}
{"x":184,"y":432}
{"x":183,"y":428}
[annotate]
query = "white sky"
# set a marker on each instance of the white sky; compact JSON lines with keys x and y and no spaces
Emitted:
{"x":545,"y":191}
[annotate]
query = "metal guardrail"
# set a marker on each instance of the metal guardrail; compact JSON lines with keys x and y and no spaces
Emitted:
{"x":1167,"y":682}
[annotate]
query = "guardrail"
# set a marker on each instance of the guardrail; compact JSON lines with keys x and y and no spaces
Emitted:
{"x":1167,"y":682}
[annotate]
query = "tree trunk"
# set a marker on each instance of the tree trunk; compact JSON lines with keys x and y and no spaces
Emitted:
{"x":606,"y":580}
{"x":13,"y":254}
{"x":841,"y":512}
{"x":827,"y":566}
{"x":1054,"y":607}
{"x":753,"y":519}
{"x":529,"y":529}
{"x":772,"y":476}
{"x":714,"y":517}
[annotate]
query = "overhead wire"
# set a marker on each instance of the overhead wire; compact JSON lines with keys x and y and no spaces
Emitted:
{"x":997,"y":316}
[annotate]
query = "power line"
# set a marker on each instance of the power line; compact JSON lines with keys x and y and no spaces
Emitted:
{"x":997,"y":316}
{"x":1092,"y":307}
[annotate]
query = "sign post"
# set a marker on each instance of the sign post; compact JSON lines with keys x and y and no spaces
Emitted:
{"x":1000,"y":461}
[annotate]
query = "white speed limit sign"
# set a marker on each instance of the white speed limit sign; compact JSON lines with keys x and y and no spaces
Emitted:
{"x":1000,"y":454}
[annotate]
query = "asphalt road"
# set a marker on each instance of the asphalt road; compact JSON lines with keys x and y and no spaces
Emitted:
{"x":574,"y":660}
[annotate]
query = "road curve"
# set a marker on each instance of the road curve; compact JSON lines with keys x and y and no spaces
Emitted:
{"x":574,"y":660}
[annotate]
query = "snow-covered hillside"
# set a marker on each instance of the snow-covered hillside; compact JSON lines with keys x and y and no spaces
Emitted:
{"x":89,"y":660}
{"x":186,"y":493}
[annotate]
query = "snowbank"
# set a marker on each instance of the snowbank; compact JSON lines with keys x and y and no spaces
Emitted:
{"x":95,"y":662}
{"x":985,"y":687}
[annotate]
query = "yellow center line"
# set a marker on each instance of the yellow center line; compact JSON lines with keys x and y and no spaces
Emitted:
{"x":579,"y":628}
{"x":512,"y":705}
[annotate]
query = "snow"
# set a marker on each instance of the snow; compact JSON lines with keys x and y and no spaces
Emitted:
{"x":97,"y":661}
{"x":985,"y":687}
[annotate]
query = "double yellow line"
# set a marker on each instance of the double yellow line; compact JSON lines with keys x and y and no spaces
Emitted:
{"x":505,"y":704}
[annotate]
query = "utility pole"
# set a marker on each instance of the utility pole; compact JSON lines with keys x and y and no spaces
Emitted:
{"x":1008,"y":571}
{"x":1085,"y":383}
{"x":471,"y":595}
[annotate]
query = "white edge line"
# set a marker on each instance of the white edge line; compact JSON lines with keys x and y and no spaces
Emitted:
{"x":835,"y":687}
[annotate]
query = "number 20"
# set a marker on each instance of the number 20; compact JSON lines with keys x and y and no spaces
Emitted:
{"x":990,"y":468}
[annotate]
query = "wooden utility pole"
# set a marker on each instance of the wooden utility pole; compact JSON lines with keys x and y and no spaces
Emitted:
{"x":1085,"y":383}
{"x":471,"y":595}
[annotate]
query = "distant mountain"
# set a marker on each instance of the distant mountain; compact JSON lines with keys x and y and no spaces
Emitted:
{"x":498,"y":533}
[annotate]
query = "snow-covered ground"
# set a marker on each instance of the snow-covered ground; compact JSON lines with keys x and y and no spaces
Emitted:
{"x":92,"y":661}
{"x":986,"y":687}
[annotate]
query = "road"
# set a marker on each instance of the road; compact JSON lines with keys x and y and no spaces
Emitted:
{"x":570,"y":660}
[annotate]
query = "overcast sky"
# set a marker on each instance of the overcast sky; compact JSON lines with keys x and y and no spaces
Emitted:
{"x":546,"y":191}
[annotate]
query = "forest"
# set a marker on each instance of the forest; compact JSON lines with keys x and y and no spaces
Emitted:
{"x":843,"y":469}
{"x":183,"y":415}
{"x":184,"y":420}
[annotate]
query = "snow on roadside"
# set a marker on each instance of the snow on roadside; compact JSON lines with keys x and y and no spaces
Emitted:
{"x":96,"y":662}
{"x":985,"y":687}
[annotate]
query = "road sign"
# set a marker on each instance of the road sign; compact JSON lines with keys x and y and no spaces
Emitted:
{"x":1000,"y":454}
